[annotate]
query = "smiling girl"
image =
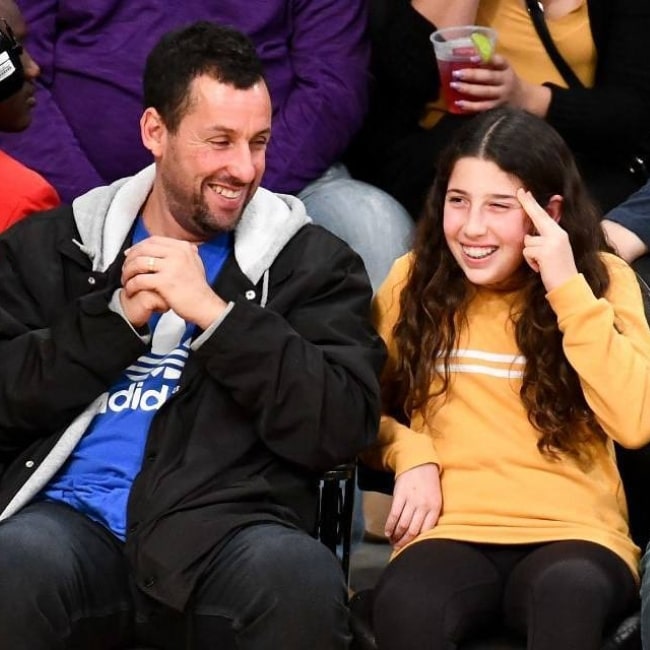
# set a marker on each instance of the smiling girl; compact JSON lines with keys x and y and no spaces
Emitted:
{"x":519,"y":351}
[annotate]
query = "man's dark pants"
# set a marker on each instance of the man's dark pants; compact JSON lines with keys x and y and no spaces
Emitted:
{"x":65,"y":584}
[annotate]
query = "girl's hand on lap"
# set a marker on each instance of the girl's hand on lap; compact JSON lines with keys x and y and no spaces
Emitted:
{"x":417,"y":501}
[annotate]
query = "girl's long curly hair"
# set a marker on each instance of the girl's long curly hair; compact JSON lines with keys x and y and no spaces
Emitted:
{"x":434,"y":301}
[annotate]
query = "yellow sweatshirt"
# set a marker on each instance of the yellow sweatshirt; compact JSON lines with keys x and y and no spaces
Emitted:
{"x":496,"y":486}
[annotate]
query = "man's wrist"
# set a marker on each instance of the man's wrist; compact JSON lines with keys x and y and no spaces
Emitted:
{"x":210,"y":310}
{"x":116,"y":305}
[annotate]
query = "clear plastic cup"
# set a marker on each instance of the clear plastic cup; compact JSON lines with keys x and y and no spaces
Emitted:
{"x":457,"y":48}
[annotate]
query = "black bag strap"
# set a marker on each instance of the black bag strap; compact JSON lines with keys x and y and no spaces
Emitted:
{"x":536,"y":11}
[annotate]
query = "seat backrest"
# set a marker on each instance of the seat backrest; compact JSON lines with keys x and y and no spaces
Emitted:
{"x":335,"y":507}
{"x":634,"y":467}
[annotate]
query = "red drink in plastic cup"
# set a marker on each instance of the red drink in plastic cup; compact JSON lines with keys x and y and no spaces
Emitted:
{"x":451,"y":95}
{"x":455,"y":50}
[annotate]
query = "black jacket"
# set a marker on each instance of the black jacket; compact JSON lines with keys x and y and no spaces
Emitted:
{"x":274,"y":396}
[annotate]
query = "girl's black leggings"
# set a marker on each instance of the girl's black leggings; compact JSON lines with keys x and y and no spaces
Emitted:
{"x":559,"y":595}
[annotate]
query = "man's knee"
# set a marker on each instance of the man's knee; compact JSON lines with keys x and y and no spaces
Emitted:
{"x":58,"y":568}
{"x":268,"y":577}
{"x":291,"y":565}
{"x":33,"y":550}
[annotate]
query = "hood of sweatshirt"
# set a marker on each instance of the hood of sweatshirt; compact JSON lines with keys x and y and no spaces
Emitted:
{"x":105,"y":215}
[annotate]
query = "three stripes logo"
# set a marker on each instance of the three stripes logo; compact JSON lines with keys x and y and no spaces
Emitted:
{"x":160,"y":372}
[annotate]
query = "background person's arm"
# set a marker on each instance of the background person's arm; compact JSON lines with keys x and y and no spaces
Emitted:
{"x":443,"y":13}
{"x":403,"y":58}
{"x":627,"y":226}
{"x":626,"y":242}
{"x":613,"y":115}
{"x":329,"y":57}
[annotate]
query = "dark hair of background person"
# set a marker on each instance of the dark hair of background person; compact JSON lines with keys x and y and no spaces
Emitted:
{"x":182,"y":55}
{"x":435,"y":299}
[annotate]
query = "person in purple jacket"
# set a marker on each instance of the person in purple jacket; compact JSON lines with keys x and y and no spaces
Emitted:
{"x":315,"y":57}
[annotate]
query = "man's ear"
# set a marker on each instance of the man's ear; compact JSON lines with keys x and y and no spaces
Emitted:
{"x":554,"y":207}
{"x":153,"y":131}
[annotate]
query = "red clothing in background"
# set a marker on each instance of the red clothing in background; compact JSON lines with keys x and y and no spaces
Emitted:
{"x":22,"y":191}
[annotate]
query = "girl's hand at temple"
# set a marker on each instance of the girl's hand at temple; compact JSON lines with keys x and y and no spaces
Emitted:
{"x":417,"y":501}
{"x":547,"y":250}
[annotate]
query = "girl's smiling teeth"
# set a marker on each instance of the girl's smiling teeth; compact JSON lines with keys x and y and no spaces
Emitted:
{"x":478,"y":252}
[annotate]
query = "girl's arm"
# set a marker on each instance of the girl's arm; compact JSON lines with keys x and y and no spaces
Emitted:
{"x":607,"y":341}
{"x":407,"y":452}
{"x":417,"y":495}
{"x":416,"y":505}
{"x":398,"y":447}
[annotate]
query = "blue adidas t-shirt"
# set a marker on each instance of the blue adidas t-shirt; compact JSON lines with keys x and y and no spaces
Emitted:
{"x":96,"y":480}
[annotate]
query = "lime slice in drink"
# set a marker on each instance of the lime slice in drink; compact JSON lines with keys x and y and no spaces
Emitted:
{"x":483,"y":46}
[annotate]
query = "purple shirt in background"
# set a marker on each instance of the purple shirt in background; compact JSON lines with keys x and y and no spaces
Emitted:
{"x":85,"y":130}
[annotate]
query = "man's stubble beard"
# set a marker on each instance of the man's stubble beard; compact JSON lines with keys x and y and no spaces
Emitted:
{"x":198,"y":219}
